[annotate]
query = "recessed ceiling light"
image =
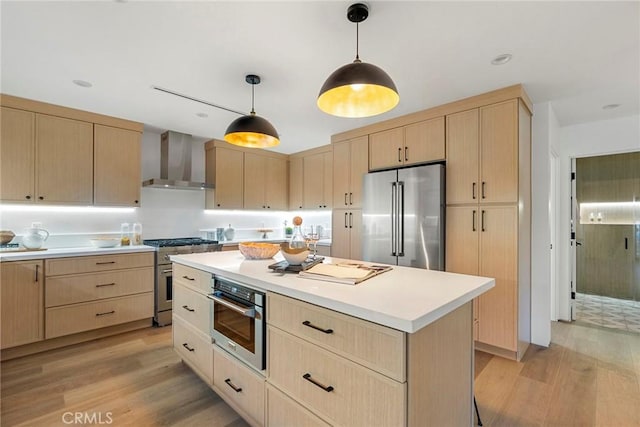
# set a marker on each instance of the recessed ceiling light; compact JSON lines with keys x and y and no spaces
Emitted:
{"x":501,"y":59}
{"x":610,"y":106}
{"x":202,"y":115}
{"x":83,"y":83}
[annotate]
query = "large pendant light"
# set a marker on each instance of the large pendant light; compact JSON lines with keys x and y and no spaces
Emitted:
{"x":252,"y":130}
{"x":358,"y":89}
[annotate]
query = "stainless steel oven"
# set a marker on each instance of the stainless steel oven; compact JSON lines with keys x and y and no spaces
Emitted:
{"x":238,"y":320}
{"x":164,"y":275}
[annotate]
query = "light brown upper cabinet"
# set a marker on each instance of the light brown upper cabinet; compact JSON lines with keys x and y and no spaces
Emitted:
{"x":225,"y":170}
{"x":350,"y":163}
{"x":17,"y":155}
{"x":295,"y":183}
{"x":58,"y":155}
{"x":64,"y":160}
{"x":116,"y":166}
{"x":317,"y":180}
{"x":265,"y":182}
{"x":482,"y":155}
{"x":420,"y":142}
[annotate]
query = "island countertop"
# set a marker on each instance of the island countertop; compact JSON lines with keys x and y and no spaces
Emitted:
{"x":404,"y":298}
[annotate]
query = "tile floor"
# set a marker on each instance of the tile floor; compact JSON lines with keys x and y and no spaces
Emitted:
{"x":608,"y":312}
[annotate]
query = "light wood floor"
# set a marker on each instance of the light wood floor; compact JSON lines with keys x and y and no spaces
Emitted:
{"x":587,"y":377}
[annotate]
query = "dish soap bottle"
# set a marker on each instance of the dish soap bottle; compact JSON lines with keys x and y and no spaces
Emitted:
{"x":229,"y":233}
{"x":297,"y":240}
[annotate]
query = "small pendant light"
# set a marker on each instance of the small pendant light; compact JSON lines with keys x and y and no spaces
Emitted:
{"x":358,"y":89}
{"x":252,"y":130}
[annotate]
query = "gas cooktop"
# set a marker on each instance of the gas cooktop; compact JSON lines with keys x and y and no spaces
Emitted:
{"x":180,"y":241}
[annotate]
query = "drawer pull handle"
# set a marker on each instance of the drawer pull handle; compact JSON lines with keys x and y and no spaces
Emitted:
{"x":185,"y":345}
{"x":105,"y":262}
{"x":188,"y":278}
{"x":105,"y":313}
{"x":307,"y":377}
{"x":186,"y":307}
{"x":230,"y":384}
{"x":105,"y":284}
{"x":312,"y":326}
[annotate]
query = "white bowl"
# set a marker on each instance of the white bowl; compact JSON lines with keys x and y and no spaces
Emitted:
{"x":295,"y":259}
{"x":105,"y":242}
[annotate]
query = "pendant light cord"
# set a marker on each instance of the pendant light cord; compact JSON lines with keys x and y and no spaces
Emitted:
{"x":253,"y":85}
{"x":357,"y":42}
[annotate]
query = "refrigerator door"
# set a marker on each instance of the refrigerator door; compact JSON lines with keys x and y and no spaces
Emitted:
{"x":421,"y":236}
{"x":379,"y":225}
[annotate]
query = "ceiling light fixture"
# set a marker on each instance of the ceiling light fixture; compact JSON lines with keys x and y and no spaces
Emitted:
{"x":252,"y":130}
{"x":358,"y":89}
{"x":502,"y":59}
{"x":82,"y":83}
{"x":610,"y":106}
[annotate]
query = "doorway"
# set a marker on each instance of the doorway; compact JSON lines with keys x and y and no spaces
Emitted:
{"x":606,"y":219}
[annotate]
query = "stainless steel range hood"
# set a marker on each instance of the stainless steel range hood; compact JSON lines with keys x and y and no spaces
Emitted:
{"x":175,"y":164}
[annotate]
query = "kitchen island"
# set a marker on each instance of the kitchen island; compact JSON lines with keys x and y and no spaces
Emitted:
{"x":399,"y":350}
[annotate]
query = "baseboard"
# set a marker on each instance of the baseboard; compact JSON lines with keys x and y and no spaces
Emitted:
{"x":488,"y":348}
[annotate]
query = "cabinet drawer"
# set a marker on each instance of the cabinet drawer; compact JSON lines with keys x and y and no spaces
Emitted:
{"x":61,"y":290}
{"x":358,"y":396}
{"x":192,"y":307}
{"x":193,"y":347}
{"x":91,"y":264}
{"x":240,"y":385}
{"x":377,"y":347}
{"x":193,"y":278}
{"x":70,"y":319}
{"x":283,"y":411}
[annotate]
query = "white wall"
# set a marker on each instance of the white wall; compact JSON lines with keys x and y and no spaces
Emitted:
{"x":163,"y":213}
{"x":584,"y":140}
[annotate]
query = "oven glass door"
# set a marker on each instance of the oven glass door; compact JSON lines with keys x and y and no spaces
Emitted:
{"x":236,"y":320}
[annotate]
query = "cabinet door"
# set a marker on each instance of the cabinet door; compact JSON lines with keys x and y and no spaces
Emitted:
{"x":358,"y":167}
{"x":22,"y":303}
{"x":295,"y":183}
{"x":462,"y":233}
{"x":255,"y":170}
{"x":463,"y":157}
{"x":498,"y":314}
{"x":229,"y":175}
{"x":276,"y":183}
{"x":499,"y":152}
{"x":341,"y":174}
{"x":355,"y":234}
{"x":340,"y":235}
{"x":386,"y":149}
{"x":313,"y":181}
{"x":327,"y":180}
{"x":116,"y":166}
{"x":64,"y":160}
{"x":424,"y":141}
{"x":17,"y":155}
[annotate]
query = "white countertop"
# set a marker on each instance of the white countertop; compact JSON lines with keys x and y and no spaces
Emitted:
{"x":322,"y":242}
{"x":69,"y":252}
{"x":404,"y":298}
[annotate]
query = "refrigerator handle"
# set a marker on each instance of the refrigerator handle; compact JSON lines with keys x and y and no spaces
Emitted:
{"x":400,"y":237}
{"x":393,"y":218}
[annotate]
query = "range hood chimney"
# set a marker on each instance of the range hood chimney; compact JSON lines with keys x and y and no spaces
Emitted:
{"x":175,"y":164}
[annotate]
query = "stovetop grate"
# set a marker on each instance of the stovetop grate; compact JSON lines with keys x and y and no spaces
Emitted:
{"x":180,"y":241}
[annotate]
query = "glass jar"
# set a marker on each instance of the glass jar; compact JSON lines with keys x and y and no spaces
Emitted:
{"x":136,"y":238}
{"x":297,"y":240}
{"x":124,"y":234}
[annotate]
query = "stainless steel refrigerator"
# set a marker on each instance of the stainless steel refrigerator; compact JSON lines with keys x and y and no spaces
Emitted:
{"x":403,"y":217}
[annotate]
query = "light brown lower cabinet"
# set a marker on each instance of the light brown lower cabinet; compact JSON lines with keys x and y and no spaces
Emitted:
{"x":242,"y":388}
{"x":284,"y":411}
{"x":194,"y":347}
{"x":21,"y":302}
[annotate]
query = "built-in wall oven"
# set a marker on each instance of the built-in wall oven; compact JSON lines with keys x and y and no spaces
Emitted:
{"x":238,"y":320}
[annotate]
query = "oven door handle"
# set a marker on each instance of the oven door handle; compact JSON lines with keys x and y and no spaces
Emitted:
{"x":248,"y":312}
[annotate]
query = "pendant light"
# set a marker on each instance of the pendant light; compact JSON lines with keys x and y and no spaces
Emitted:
{"x":252,"y":130}
{"x":358,"y":89}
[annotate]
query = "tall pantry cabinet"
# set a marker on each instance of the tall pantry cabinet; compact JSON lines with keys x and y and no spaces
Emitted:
{"x":489,"y":216}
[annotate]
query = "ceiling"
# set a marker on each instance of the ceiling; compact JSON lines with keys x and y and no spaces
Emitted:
{"x":577,"y":55}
